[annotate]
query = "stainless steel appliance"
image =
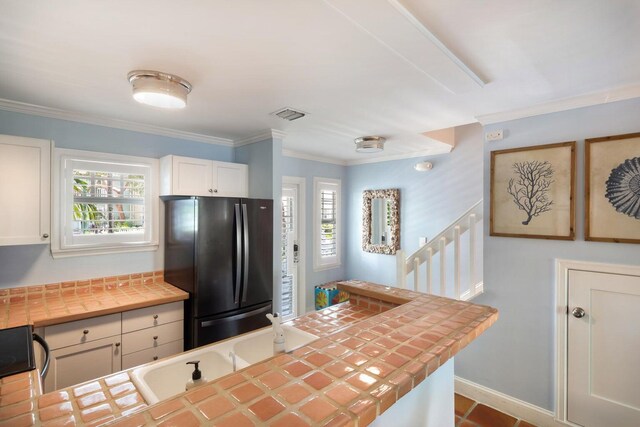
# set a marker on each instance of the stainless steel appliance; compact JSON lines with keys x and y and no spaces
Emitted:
{"x":220,"y":250}
{"x":16,"y":352}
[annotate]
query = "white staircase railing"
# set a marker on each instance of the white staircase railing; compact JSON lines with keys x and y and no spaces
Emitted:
{"x":468,"y":225}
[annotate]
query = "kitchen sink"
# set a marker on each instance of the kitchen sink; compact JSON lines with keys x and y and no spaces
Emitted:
{"x":258,"y":346}
{"x":164,"y":379}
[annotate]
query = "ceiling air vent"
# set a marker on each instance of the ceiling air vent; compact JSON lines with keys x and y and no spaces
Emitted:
{"x":289,"y":114}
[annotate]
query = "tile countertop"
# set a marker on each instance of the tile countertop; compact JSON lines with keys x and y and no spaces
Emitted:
{"x":372,"y":350}
{"x":54,"y":303}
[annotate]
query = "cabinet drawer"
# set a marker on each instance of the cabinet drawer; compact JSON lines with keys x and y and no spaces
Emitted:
{"x":82,"y":331}
{"x":151,"y":316}
{"x":151,"y":337}
{"x":151,"y":354}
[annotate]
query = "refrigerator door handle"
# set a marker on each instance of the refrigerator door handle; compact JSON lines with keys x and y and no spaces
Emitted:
{"x":245,"y":262}
{"x":209,"y":323}
{"x":238,"y":253}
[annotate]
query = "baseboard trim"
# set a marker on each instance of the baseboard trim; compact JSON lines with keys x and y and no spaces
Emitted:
{"x":507,"y":404}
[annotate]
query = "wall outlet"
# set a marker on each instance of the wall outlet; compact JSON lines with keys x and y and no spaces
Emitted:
{"x":495,"y":135}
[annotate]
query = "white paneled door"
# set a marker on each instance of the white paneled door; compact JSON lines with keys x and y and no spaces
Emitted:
{"x":603,"y":365}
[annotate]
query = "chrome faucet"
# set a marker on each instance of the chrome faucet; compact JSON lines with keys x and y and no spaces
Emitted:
{"x":232,"y":355}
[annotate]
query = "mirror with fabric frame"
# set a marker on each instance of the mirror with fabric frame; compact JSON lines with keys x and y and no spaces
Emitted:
{"x":381,"y":221}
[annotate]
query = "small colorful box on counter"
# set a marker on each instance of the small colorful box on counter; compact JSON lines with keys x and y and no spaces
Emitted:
{"x":328,"y":294}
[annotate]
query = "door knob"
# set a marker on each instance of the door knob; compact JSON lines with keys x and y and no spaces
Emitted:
{"x":578,"y":312}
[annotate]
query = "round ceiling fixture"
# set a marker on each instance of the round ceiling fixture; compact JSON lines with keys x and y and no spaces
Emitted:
{"x":369,"y":144}
{"x":159,"y":89}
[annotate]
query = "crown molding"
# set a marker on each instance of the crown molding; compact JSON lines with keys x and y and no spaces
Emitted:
{"x":56,"y":113}
{"x":307,"y":156}
{"x":596,"y":98}
{"x":267,"y":134}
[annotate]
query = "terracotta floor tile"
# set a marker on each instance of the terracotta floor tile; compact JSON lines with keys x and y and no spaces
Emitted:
{"x":489,"y":417}
{"x":273,"y":380}
{"x":55,"y":411}
{"x":15,"y":386}
{"x":289,"y":420}
{"x":372,"y":350}
{"x":116,"y":379}
{"x":246,"y":392}
{"x":213,"y":408}
{"x":318,"y":380}
{"x":7,"y":412}
{"x":318,"y":409}
{"x":235,"y":420}
{"x":200,"y":393}
{"x":395,"y":359}
{"x":408,"y":351}
{"x":462,"y":404}
{"x":165,"y":408}
{"x":336,"y":350}
{"x":293,"y":393}
{"x":338,"y":369}
{"x":365,"y":409}
{"x":342,"y":394}
{"x":91,"y":399}
{"x":67,"y":421}
{"x":266,"y":408}
{"x":100,"y":421}
{"x":357,"y":359}
{"x":183,"y":419}
{"x":257,"y":370}
{"x":16,"y":397}
{"x":523,"y":423}
{"x":133,"y":409}
{"x":122,"y":389}
{"x":380,"y":369}
{"x":96,"y":412}
{"x":231,"y":381}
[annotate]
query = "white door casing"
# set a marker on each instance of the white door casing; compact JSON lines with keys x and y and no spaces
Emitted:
{"x":598,"y":370}
{"x":295,"y":187}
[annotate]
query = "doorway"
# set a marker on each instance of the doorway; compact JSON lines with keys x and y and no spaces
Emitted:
{"x":598,"y":344}
{"x":293,"y":254}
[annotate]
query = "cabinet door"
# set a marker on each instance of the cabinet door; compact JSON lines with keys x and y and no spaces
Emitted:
{"x":24,"y":190}
{"x":191,"y":177}
{"x":83,"y":362}
{"x":230,"y":179}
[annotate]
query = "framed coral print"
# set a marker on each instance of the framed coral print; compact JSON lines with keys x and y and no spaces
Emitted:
{"x":533,"y":192}
{"x":612,"y":189}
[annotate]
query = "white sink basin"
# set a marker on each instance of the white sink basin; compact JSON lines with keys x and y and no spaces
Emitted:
{"x":161,"y":380}
{"x":259,"y":345}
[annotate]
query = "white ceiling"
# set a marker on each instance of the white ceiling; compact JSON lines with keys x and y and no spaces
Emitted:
{"x":396,"y":68}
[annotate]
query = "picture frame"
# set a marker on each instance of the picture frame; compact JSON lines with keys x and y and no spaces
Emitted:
{"x":532,"y":192}
{"x":612,"y":189}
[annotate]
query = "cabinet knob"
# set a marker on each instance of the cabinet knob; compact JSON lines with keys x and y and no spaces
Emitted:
{"x":155,"y":357}
{"x":86,"y":331}
{"x":117,"y":344}
{"x":211,"y":190}
{"x":45,"y":236}
{"x":215,"y":191}
{"x":155,"y":338}
{"x":155,"y":317}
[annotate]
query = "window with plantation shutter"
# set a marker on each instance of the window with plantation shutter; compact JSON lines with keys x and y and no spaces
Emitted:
{"x":106,"y":203}
{"x":327,"y":223}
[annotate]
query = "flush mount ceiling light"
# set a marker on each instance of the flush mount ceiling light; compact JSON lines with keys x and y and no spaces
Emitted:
{"x":159,"y":89}
{"x":423,"y":166}
{"x":369,"y":144}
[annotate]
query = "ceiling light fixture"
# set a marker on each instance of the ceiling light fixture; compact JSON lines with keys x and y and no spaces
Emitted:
{"x":423,"y":166}
{"x":369,"y":144}
{"x":159,"y":89}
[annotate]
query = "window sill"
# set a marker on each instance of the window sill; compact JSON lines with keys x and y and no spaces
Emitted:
{"x":70,"y":253}
{"x":326,"y":267}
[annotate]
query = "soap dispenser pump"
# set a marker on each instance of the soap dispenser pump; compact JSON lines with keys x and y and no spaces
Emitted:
{"x":196,"y":376}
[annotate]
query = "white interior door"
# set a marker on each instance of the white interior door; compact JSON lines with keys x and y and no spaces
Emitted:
{"x":603,"y":365}
{"x":290,"y":251}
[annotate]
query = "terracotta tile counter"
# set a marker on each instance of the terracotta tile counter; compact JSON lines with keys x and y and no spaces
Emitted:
{"x":54,"y":303}
{"x":372,"y":351}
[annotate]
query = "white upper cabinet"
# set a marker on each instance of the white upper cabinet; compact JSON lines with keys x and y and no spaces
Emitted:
{"x":25,"y":190}
{"x":186,"y":176}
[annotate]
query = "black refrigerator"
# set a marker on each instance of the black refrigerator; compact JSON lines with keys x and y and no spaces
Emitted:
{"x":220,"y":250}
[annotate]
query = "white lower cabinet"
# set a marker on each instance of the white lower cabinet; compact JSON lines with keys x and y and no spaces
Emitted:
{"x":83,"y":362}
{"x":98,"y":346}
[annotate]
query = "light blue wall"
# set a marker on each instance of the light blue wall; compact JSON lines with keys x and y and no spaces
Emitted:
{"x":516,"y":355}
{"x":429,"y":201}
{"x":259,"y":157}
{"x":309,"y":169}
{"x":33,"y":264}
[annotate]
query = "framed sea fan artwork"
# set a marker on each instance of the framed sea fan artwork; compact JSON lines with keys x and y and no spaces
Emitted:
{"x":533,"y":192}
{"x":612,"y":189}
